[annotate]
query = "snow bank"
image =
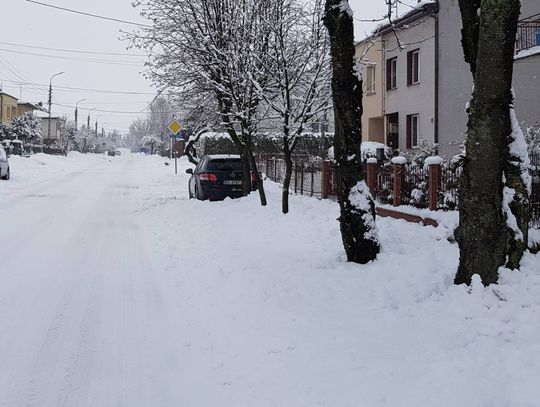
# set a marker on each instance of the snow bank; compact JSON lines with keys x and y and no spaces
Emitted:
{"x":527,"y":53}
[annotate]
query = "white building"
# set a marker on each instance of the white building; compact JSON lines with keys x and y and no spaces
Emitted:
{"x":420,"y":83}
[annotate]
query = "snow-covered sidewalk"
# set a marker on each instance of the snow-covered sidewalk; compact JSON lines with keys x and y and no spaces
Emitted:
{"x":118,"y":290}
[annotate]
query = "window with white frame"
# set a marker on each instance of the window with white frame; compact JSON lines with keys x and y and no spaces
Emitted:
{"x":412,"y":130}
{"x":370,"y":79}
{"x":391,"y":73}
{"x":413,"y":67}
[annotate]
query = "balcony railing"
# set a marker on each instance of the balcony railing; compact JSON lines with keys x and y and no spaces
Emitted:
{"x":528,"y":34}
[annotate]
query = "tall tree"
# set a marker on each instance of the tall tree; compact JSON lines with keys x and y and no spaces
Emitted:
{"x":298,"y":71}
{"x":357,"y":209}
{"x":210,"y":45}
{"x":493,"y":226}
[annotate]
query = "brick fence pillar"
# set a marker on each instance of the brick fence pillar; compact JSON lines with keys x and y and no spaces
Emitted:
{"x":399,"y":171}
{"x":325,"y":179}
{"x":434,"y":165}
{"x":372,"y":169}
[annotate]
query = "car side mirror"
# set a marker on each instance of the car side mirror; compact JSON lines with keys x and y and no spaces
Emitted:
{"x":189,"y":171}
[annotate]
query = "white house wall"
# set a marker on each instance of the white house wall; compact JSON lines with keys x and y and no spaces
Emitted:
{"x":418,"y":98}
{"x":527,"y":90}
{"x":455,"y":79}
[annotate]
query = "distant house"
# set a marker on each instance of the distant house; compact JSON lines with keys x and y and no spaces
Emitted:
{"x":8,"y":107}
{"x":49,"y":137}
{"x":417,"y":84}
{"x":25,"y":107}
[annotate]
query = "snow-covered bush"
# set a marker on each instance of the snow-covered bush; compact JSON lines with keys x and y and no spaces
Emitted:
{"x":26,"y":128}
{"x":153,"y":143}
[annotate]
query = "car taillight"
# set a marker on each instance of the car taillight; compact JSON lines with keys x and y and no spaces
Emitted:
{"x":253,"y":176}
{"x":208,"y":176}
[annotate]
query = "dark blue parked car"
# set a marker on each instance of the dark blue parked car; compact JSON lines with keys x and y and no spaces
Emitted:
{"x":216,"y":177}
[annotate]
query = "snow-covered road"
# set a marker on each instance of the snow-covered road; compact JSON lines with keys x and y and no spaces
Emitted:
{"x":81,"y":314}
{"x":116,"y":290}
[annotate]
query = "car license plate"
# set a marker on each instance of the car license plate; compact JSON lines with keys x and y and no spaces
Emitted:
{"x":232,"y":182}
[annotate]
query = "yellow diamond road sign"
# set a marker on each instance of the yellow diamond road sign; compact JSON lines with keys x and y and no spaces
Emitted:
{"x":175,"y":127}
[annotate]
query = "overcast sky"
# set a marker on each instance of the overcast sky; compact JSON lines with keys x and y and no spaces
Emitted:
{"x":27,"y":24}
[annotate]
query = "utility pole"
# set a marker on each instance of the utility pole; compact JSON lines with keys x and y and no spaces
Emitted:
{"x":97,"y":123}
{"x":50,"y":103}
{"x":88,"y":120}
{"x":77,"y":115}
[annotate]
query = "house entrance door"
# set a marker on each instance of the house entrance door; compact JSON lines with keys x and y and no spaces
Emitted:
{"x":392,"y":130}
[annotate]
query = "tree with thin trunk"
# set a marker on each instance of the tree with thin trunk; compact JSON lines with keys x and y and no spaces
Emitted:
{"x":493,"y":206}
{"x":209,"y":46}
{"x":298,"y":72}
{"x":357,"y":209}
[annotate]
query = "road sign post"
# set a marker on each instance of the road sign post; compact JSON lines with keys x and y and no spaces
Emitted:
{"x":175,"y":128}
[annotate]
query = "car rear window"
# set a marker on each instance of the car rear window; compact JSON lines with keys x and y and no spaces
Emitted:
{"x":225,"y":164}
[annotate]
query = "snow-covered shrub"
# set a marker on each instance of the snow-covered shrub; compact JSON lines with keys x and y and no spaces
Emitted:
{"x":423,"y":150}
{"x":26,"y":128}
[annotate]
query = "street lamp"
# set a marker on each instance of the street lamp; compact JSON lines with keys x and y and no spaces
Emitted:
{"x":50,"y":101}
{"x":97,"y":122}
{"x":88,"y":121}
{"x":77,"y":114}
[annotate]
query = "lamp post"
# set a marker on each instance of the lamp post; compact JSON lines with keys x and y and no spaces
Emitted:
{"x":50,"y":101}
{"x":77,"y":114}
{"x":97,"y":123}
{"x":88,"y":121}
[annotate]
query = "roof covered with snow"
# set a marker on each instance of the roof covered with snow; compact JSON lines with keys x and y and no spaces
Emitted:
{"x":418,"y":11}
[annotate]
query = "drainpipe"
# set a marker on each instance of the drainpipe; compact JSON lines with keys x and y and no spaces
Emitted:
{"x":383,"y":90}
{"x":436,"y":119}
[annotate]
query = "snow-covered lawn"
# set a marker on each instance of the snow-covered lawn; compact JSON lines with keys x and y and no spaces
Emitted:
{"x":188,"y":303}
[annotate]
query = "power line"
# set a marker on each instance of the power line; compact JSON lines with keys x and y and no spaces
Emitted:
{"x":66,"y":58}
{"x":72,"y":50}
{"x":15,"y":71}
{"x":88,"y":14}
{"x":69,"y":88}
{"x":103,"y":111}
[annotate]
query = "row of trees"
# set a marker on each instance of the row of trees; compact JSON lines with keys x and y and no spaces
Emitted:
{"x":152,"y":132}
{"x":27,"y":128}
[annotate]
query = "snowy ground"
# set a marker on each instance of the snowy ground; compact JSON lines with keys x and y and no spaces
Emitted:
{"x":116,"y":290}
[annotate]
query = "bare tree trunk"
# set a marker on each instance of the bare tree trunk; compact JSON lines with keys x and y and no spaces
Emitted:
{"x":287,"y":180}
{"x":485,"y":239}
{"x":357,"y":219}
{"x":258,"y":179}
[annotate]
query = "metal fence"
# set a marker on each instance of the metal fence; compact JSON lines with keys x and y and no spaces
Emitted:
{"x":306,"y":177}
{"x":534,"y":170}
{"x":384,"y":192}
{"x":528,"y":34}
{"x":449,"y":189}
{"x":415,"y":184}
